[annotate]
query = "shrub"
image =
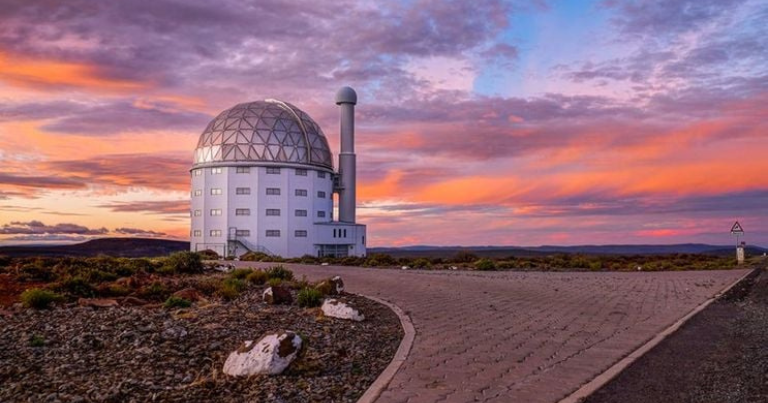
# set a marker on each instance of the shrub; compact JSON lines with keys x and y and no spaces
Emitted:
{"x":207,"y":285}
{"x":35,"y":271}
{"x":422,"y":263}
{"x":39,"y":299}
{"x":309,"y":259}
{"x":208,"y":254}
{"x":5,"y":261}
{"x":118,"y":290}
{"x":242,"y":274}
{"x":325,"y":287}
{"x":37,"y":341}
{"x":257,"y":277}
{"x":77,"y":286}
{"x":255,"y":257}
{"x":274,"y":282}
{"x":465,"y":257}
{"x":309,"y":298}
{"x":177,"y":302}
{"x":231,"y":288}
{"x":379,"y":259}
{"x":184,"y":262}
{"x":279,"y":272}
{"x":485,"y":265}
{"x":156,"y":290}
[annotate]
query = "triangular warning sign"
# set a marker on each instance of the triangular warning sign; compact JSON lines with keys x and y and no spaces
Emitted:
{"x":736,"y":229}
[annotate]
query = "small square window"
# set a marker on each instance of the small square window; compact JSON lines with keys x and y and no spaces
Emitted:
{"x":273,"y":171}
{"x":321,"y":175}
{"x":242,"y":232}
{"x":242,"y":211}
{"x":242,"y":170}
{"x":301,"y":213}
{"x":216,"y":211}
{"x":198,"y":213}
{"x":215,"y":191}
{"x":321,"y":194}
{"x":301,"y":192}
{"x":273,"y":233}
{"x":215,"y":232}
{"x":301,"y":172}
{"x":321,"y":214}
{"x":198,"y":192}
{"x":216,"y":171}
{"x":273,"y":191}
{"x":198,"y":172}
{"x":243,"y":191}
{"x":273,"y":212}
{"x":197,"y":232}
{"x":300,"y":234}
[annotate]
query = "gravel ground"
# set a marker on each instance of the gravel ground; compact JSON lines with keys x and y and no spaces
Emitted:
{"x":719,"y":356}
{"x":140,"y":354}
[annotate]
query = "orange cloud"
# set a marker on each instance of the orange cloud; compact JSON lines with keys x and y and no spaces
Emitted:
{"x":38,"y":73}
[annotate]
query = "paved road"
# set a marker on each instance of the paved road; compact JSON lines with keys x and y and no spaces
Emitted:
{"x":522,"y":337}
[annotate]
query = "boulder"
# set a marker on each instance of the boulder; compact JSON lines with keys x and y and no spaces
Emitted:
{"x":97,"y":302}
{"x":278,"y":295}
{"x":190,"y":294}
{"x":341,"y":309}
{"x":331,"y":286}
{"x":270,"y":355}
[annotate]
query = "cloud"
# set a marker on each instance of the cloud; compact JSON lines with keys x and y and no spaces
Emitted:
{"x":139,"y":232}
{"x":154,"y":207}
{"x":47,"y":238}
{"x":38,"y":228}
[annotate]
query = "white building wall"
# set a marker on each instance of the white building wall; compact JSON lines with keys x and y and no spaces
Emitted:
{"x":258,"y":202}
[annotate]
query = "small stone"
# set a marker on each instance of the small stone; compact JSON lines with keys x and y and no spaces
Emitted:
{"x":133,"y":301}
{"x":341,"y":309}
{"x":277,"y":295}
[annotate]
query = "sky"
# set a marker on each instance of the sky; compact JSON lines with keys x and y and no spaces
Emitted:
{"x":478,"y":122}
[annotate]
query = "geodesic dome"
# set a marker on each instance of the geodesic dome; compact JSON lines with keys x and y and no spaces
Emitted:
{"x":269,"y":130}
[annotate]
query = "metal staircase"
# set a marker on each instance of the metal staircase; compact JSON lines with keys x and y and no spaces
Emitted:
{"x":233,"y":240}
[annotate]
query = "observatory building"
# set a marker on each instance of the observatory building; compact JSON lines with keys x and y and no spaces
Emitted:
{"x":263,"y":180}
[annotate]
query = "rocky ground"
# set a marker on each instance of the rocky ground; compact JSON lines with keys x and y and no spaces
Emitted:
{"x":719,"y":356}
{"x":141,"y":354}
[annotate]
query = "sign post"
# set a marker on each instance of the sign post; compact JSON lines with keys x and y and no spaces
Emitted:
{"x":737,"y":230}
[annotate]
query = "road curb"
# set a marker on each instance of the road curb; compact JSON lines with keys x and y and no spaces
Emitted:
{"x":378,"y":386}
{"x":605,"y":377}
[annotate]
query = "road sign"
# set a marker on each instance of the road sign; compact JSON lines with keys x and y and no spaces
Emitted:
{"x":736,"y":229}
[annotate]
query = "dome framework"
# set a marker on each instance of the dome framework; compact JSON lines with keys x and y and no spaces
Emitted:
{"x":264,"y":131}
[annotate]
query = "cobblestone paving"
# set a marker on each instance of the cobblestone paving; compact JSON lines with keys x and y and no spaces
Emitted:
{"x":522,"y":337}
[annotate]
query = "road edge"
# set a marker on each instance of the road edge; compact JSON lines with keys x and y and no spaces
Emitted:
{"x":600,"y":380}
{"x":382,"y":381}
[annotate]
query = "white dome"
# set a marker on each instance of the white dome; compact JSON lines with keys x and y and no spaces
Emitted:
{"x":264,"y":131}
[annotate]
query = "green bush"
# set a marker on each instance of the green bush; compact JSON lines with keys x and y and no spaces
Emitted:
{"x":184,"y":262}
{"x":279,"y":272}
{"x":422,"y":263}
{"x":37,"y":341}
{"x":242,"y":274}
{"x":485,"y":265}
{"x":77,"y":286}
{"x":257,"y":277}
{"x":156,"y":291}
{"x":177,"y":302}
{"x":208,"y":254}
{"x":274,"y":282}
{"x":309,"y":298}
{"x":255,"y":257}
{"x":465,"y":257}
{"x":231,"y":288}
{"x":35,"y":270}
{"x":39,"y":299}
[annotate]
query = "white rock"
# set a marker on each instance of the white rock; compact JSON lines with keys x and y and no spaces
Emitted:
{"x":270,"y":355}
{"x":338,"y":283}
{"x":335,"y":308}
{"x":405,"y":267}
{"x":323,"y":264}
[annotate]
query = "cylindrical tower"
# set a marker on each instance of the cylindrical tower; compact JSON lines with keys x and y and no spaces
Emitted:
{"x":346,"y":98}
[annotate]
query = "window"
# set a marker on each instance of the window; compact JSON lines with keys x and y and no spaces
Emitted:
{"x":301,"y":192}
{"x":243,"y":232}
{"x":300,"y":234}
{"x":216,"y":211}
{"x":242,"y":211}
{"x":273,"y":191}
{"x":321,"y":175}
{"x":243,"y":191}
{"x":301,"y":213}
{"x":273,"y":171}
{"x":243,"y":170}
{"x":301,"y":172}
{"x":273,"y":212}
{"x":363,"y":239}
{"x":198,"y":192}
{"x":345,"y":233}
{"x":197,"y":232}
{"x":198,"y":213}
{"x":215,"y":191}
{"x":215,"y":232}
{"x":216,"y":171}
{"x":198,"y":172}
{"x":273,"y":232}
{"x":321,"y":214}
{"x":334,"y":232}
{"x":321,"y":194}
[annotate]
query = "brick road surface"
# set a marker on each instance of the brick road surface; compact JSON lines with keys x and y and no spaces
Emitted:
{"x":522,"y":337}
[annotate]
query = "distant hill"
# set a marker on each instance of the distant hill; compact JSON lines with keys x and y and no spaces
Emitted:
{"x":505,"y":251}
{"x":119,"y":247}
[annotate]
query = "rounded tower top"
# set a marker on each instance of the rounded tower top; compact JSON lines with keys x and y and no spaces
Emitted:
{"x":263,"y":131}
{"x":346,"y":95}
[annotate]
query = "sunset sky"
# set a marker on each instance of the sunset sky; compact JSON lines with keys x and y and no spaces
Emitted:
{"x":478,"y":122}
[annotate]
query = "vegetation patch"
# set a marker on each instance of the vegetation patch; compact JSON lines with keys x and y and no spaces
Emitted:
{"x":309,"y":298}
{"x":39,"y":298}
{"x":177,"y":302}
